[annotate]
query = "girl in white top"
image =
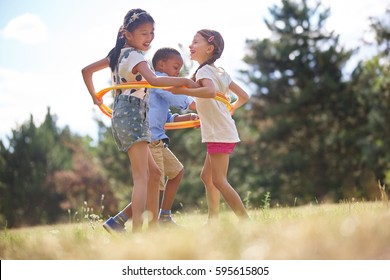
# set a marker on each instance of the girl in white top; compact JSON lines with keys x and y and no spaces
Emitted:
{"x":130,"y":125}
{"x":218,"y":128}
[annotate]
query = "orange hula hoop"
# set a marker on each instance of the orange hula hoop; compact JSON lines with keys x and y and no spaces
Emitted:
{"x":168,"y":126}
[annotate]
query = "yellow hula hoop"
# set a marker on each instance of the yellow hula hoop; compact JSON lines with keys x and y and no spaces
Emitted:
{"x":168,"y":126}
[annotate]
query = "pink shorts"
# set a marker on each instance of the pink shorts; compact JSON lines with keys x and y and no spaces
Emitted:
{"x":220,"y":148}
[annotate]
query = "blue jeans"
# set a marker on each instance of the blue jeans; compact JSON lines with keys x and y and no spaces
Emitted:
{"x":130,"y":121}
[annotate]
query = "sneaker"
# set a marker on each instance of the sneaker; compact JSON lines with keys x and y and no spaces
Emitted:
{"x":167,"y":221}
{"x":112,"y":226}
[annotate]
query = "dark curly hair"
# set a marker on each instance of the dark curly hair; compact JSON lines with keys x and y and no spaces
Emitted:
{"x":163,"y":54}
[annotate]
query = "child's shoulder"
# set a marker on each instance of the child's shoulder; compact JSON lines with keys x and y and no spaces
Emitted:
{"x":221,"y":71}
{"x":125,"y":52}
{"x":214,"y":69}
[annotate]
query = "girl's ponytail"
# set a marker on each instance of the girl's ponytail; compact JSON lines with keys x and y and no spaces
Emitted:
{"x":113,"y":55}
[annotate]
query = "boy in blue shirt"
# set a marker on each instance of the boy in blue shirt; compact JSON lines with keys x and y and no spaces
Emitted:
{"x":167,"y":62}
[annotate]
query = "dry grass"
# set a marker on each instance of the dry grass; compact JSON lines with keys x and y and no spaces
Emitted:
{"x":355,"y":231}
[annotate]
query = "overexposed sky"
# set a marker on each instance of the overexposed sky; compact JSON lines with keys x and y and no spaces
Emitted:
{"x":44,"y":44}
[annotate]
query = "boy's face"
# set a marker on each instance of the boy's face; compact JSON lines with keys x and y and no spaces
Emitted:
{"x":171,"y":66}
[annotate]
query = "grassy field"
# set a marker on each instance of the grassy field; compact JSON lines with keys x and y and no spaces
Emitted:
{"x":353,"y":231}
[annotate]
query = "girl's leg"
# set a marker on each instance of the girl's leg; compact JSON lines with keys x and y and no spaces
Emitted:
{"x":151,"y":185}
{"x":138,"y":155}
{"x":152,"y":202}
{"x":212,"y":193}
{"x":128,"y":211}
{"x":219,"y":168}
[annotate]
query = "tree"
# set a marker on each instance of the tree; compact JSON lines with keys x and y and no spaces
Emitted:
{"x":47,"y":171}
{"x":115,"y":165}
{"x":301,"y":105}
{"x":27,"y":163}
{"x":381,"y":28}
{"x":371,"y":86}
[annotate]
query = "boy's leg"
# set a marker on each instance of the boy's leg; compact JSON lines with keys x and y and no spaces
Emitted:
{"x":174,"y":171}
{"x":171,"y":188}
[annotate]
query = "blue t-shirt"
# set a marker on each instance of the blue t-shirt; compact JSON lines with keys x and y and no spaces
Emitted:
{"x":160,"y":101}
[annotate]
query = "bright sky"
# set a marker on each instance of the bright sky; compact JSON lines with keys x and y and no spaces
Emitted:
{"x":44,"y":44}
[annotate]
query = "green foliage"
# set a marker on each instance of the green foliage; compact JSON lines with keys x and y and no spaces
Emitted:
{"x":31,"y":157}
{"x":44,"y":172}
{"x":301,"y":133}
{"x":381,"y":27}
{"x":308,"y":133}
{"x":267,"y":201}
{"x":304,"y":109}
{"x":115,"y":166}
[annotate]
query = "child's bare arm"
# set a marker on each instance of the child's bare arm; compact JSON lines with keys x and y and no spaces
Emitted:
{"x":242,"y":96}
{"x":88,"y":72}
{"x":162,"y":81}
{"x":186,"y":117}
{"x":206,"y":90}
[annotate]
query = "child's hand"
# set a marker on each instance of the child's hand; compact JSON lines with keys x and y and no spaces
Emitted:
{"x":192,"y":84}
{"x":175,"y":90}
{"x":193,"y":116}
{"x":97,"y":101}
{"x":186,"y":117}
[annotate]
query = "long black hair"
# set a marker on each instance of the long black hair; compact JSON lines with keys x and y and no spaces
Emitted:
{"x":133,"y":19}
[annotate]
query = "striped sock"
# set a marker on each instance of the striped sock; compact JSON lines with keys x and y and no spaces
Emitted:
{"x":165,"y":214}
{"x":121,"y":218}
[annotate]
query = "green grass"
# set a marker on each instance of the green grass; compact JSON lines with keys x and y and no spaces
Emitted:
{"x":359,"y":230}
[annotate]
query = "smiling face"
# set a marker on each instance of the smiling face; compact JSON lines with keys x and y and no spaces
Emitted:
{"x":171,"y":66}
{"x":200,"y":49}
{"x":141,"y":37}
